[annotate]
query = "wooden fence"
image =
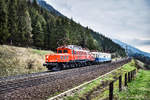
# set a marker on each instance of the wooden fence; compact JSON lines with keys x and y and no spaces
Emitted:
{"x":129,"y":76}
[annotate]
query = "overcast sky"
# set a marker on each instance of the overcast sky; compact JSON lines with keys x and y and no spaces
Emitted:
{"x":125,"y":20}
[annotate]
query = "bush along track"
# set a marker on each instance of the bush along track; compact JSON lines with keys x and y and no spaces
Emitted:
{"x":99,"y":89}
{"x":57,"y":82}
{"x":18,"y":60}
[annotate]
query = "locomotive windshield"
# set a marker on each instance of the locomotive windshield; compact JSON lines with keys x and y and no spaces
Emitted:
{"x":59,"y":51}
{"x":65,"y":51}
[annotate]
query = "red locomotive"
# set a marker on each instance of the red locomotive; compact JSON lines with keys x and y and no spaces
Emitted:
{"x":68,"y":57}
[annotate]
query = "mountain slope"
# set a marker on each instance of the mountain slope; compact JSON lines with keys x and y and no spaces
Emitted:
{"x":25,"y":23}
{"x":134,"y":52}
{"x":43,"y":4}
{"x":107,"y":44}
{"x":131,"y":50}
{"x":97,"y":36}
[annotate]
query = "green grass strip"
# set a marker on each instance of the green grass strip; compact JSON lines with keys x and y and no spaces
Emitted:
{"x":139,"y":89}
{"x":89,"y":87}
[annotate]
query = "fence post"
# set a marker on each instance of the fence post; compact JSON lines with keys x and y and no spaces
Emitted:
{"x":135,"y":72}
{"x":111,"y":88}
{"x":120,"y":83}
{"x":125,"y":79}
{"x":128,"y":76}
{"x":132,"y":74}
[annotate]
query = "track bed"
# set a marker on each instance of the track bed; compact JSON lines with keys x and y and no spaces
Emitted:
{"x":48,"y":84}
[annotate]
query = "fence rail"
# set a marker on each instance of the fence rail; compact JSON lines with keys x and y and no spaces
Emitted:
{"x":129,"y":76}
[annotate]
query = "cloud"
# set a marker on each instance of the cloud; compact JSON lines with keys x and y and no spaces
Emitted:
{"x":140,"y":42}
{"x":144,"y":48}
{"x":62,"y":6}
{"x":120,"y":19}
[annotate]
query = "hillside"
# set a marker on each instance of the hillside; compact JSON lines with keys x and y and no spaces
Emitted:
{"x":107,"y":45}
{"x":134,"y":52}
{"x":18,"y":60}
{"x":43,"y":4}
{"x":131,"y":50}
{"x":25,"y":23}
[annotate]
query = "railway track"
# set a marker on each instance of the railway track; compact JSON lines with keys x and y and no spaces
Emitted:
{"x":46,"y":84}
{"x":12,"y":78}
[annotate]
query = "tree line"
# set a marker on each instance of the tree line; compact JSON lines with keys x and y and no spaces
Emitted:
{"x":25,"y":23}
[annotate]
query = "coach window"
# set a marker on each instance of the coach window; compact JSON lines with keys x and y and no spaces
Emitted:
{"x":59,"y":51}
{"x":65,"y":51}
{"x":61,"y":57}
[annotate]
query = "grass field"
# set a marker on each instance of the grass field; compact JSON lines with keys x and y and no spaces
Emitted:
{"x":139,"y":89}
{"x":19,"y":60}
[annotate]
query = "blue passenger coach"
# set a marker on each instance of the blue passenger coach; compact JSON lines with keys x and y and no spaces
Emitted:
{"x":101,"y":57}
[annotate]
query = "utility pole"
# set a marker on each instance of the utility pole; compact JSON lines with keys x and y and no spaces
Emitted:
{"x":126,"y":50}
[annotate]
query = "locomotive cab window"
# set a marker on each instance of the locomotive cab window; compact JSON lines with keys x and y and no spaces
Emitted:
{"x":59,"y":51}
{"x":65,"y":51}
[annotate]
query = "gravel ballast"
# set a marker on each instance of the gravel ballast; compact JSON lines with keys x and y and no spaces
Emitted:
{"x":51,"y":84}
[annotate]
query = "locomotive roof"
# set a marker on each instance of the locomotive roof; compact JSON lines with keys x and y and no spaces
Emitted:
{"x":60,"y":54}
{"x":75,"y":47}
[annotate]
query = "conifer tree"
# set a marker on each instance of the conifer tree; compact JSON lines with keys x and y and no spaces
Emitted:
{"x":35,"y":4}
{"x":3,"y":23}
{"x":38,"y":37}
{"x":24,"y":36}
{"x":12,"y":21}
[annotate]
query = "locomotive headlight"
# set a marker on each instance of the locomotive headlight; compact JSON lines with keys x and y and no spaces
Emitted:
{"x":46,"y":57}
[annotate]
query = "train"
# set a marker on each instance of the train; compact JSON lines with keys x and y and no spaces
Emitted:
{"x":72,"y":56}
